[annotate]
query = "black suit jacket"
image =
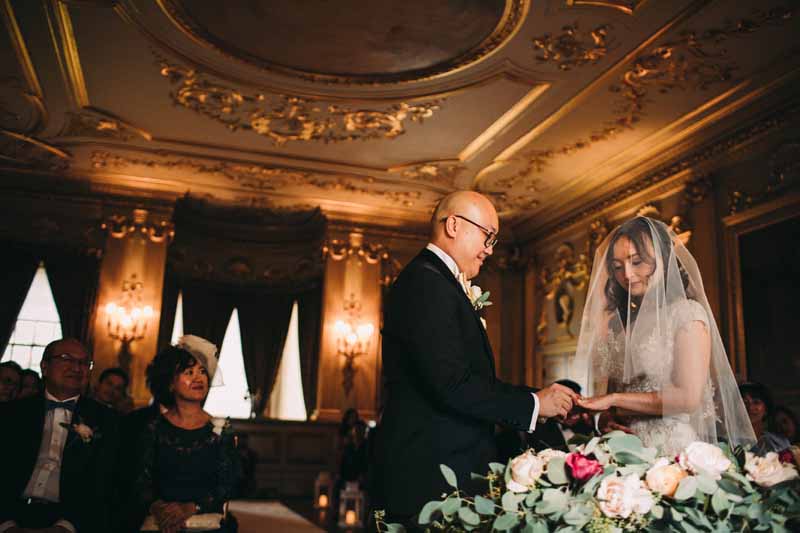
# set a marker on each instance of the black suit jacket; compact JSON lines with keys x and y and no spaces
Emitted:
{"x":87,"y":469}
{"x":442,"y":397}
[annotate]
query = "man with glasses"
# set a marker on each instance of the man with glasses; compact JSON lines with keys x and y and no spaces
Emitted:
{"x":442,"y":396}
{"x":59,"y":451}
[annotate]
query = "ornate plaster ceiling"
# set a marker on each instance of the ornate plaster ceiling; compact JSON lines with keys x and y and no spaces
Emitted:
{"x":375,"y":110}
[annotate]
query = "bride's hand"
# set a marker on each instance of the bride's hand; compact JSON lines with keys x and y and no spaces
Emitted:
{"x":597,"y":403}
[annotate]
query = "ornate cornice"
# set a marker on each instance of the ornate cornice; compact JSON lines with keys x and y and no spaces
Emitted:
{"x":92,"y":123}
{"x":512,"y":19}
{"x":440,"y":173}
{"x":784,"y":174}
{"x":283,"y":118}
{"x":572,"y":48}
{"x":628,"y":7}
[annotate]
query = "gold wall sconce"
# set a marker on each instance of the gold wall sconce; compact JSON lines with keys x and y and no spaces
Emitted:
{"x":128,"y":317}
{"x":352,"y":341}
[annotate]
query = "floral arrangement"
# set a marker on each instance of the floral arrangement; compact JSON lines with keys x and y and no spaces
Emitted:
{"x":613,"y":484}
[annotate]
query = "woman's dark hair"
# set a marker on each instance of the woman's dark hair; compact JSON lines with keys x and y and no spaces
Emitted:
{"x":162,"y":370}
{"x":349,"y":419}
{"x":637,"y":230}
{"x":759,"y":391}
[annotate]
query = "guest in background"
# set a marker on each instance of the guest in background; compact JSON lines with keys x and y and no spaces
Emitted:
{"x":112,"y":387}
{"x":31,"y":384}
{"x":10,"y":379}
{"x":58,"y":454}
{"x":760,"y":409}
{"x":188,"y":465}
{"x":786,"y":424}
{"x":556,"y":434}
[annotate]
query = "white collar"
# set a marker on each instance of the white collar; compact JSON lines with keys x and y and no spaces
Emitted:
{"x":449,"y":261}
{"x":49,"y":396}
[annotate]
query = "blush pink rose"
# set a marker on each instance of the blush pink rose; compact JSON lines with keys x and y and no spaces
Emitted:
{"x":581,"y":467}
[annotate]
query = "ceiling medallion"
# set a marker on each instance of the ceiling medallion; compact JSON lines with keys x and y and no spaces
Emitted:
{"x":282,"y":118}
{"x":693,"y":60}
{"x":388,"y":34}
{"x":571,"y":48}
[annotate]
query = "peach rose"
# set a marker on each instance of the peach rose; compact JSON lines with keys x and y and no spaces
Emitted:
{"x":664,"y":477}
{"x":768,"y":470}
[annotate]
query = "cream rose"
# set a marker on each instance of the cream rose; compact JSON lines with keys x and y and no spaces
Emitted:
{"x":622,"y":496}
{"x":704,"y":458}
{"x":525,"y":470}
{"x":549,"y":453}
{"x":219,"y":425}
{"x":664,"y":477}
{"x":475,"y":292}
{"x":768,"y":470}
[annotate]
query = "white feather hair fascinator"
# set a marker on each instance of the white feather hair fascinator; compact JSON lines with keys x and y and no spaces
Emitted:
{"x":204,"y":351}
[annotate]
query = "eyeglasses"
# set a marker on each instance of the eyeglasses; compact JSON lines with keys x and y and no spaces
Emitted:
{"x":69,"y":359}
{"x":491,"y":237}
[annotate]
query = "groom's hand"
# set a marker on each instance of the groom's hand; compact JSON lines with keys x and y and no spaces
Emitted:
{"x":556,"y":400}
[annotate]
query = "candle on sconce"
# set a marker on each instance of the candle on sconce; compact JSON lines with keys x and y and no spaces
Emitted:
{"x":323,"y":501}
{"x":350,"y":517}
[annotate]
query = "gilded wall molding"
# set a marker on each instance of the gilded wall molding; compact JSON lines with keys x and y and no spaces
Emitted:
{"x":513,"y":17}
{"x":695,"y":161}
{"x":66,"y":48}
{"x":93,"y":123}
{"x":257,"y":176}
{"x":784,"y":174}
{"x":628,"y":7}
{"x":693,"y":60}
{"x":571,"y":47}
{"x":283,"y":118}
{"x":440,"y":173}
{"x":17,"y":150}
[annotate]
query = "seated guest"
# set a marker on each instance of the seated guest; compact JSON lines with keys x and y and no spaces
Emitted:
{"x":10,"y":379}
{"x":111,"y":387}
{"x":58,"y":455}
{"x":31,"y":384}
{"x":556,"y":434}
{"x":785,"y":423}
{"x":760,"y":409}
{"x":188,"y":466}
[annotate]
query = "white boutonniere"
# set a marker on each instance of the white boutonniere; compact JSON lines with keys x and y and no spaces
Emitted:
{"x":220,"y":425}
{"x":86,"y":433}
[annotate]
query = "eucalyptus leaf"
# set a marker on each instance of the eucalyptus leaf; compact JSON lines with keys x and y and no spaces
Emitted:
{"x":556,"y":472}
{"x":468,"y":516}
{"x":625,"y":443}
{"x":484,"y":506}
{"x":511,"y":501}
{"x":706,"y":484}
{"x":497,"y":468}
{"x":533,"y":495}
{"x":450,"y":505}
{"x":720,"y":502}
{"x":395,"y":528}
{"x":686,"y":489}
{"x":657,"y":511}
{"x":591,"y":445}
{"x":427,"y":512}
{"x":449,"y":476}
{"x":506,"y":521}
{"x":536,"y":526}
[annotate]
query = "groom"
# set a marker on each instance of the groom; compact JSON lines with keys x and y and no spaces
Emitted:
{"x":442,"y":397}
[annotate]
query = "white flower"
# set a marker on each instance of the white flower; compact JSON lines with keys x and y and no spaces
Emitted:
{"x":704,"y":458}
{"x":525,"y":470}
{"x":474,"y":292}
{"x":83,"y":431}
{"x":622,"y":496}
{"x":219,"y":424}
{"x":664,"y":477}
{"x":549,"y":453}
{"x":768,"y":470}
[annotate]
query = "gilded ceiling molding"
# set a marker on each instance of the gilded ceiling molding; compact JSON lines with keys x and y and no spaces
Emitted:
{"x":693,"y":162}
{"x":513,"y":17}
{"x":694,"y":60}
{"x":258,"y":177}
{"x":628,"y":7}
{"x":441,"y":173}
{"x":573,"y":48}
{"x":94,"y":123}
{"x":17,"y":149}
{"x":65,"y":46}
{"x":33,"y":89}
{"x":784,"y":175}
{"x":283,"y":118}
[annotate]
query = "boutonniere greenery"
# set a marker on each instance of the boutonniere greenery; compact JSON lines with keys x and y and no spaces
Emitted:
{"x":86,"y":433}
{"x":477,"y":297}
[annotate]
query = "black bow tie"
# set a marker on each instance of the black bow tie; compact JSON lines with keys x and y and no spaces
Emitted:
{"x":69,"y":405}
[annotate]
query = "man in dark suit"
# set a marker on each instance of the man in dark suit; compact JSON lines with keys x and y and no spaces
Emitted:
{"x":59,"y":451}
{"x":442,"y":397}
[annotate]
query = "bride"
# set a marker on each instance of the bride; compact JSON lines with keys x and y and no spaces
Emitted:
{"x":649,"y":342}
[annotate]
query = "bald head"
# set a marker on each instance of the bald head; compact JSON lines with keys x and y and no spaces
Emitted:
{"x":462,"y":225}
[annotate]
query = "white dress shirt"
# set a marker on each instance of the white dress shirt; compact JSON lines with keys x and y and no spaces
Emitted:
{"x":453,"y":267}
{"x":45,"y":482}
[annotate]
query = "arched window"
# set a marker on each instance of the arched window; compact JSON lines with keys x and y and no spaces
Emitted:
{"x":229,"y":395}
{"x":286,"y":402}
{"x":37,"y":324}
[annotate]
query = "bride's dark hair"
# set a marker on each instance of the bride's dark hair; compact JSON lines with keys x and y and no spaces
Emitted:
{"x":637,"y":230}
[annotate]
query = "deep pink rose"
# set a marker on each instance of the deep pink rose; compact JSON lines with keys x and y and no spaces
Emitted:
{"x":581,"y":467}
{"x":786,"y":457}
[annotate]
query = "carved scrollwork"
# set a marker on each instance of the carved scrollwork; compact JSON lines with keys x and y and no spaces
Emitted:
{"x":283,"y":118}
{"x":573,"y":48}
{"x":435,"y":172}
{"x":90,"y":124}
{"x":626,"y":6}
{"x":784,"y":174}
{"x":371,"y":253}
